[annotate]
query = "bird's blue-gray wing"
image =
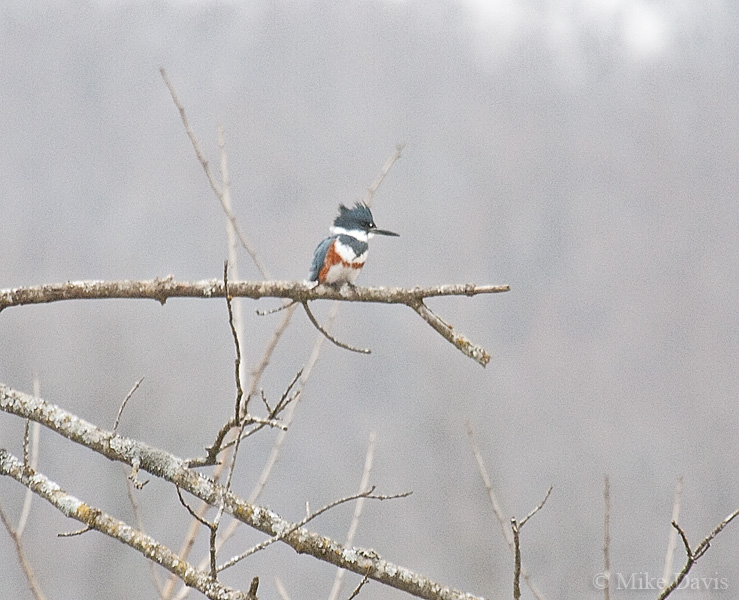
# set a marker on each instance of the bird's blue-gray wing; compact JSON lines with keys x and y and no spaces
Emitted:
{"x":319,"y":256}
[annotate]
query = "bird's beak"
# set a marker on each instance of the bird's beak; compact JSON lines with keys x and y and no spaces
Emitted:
{"x":385,"y":232}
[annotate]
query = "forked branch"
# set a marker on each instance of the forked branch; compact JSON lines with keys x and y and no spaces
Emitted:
{"x":161,"y":289}
{"x":173,"y":469}
{"x":694,"y":554}
{"x":516,"y":527}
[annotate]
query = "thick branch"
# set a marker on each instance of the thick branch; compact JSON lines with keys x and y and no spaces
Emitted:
{"x":173,"y":469}
{"x":94,"y":518}
{"x":162,"y":289}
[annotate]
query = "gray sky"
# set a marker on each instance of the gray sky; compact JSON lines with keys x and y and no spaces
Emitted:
{"x":586,"y":153}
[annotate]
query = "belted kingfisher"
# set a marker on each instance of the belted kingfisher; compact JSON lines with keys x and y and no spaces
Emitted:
{"x":339,"y":258}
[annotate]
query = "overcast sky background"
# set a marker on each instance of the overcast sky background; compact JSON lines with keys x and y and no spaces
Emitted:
{"x":586,"y":153}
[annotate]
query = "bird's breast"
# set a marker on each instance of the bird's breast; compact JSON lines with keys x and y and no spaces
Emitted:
{"x":342,"y":263}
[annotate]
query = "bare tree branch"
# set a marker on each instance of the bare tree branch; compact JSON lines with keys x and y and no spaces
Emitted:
{"x":516,"y":528}
{"x":123,"y":404}
{"x":163,"y":289}
{"x":252,"y":594}
{"x":303,"y":376}
{"x":237,"y":345}
{"x":447,"y":332}
{"x":30,"y":459}
{"x":329,"y":337}
{"x":233,"y":231}
{"x":81,"y":531}
{"x":220,"y":443}
{"x":156,"y":579}
{"x":212,"y":527}
{"x":498,"y":512}
{"x":694,"y":555}
{"x":672,"y":541}
{"x":22,"y":558}
{"x":309,"y":517}
{"x":164,"y":465}
{"x":358,"y":589}
{"x":537,"y":509}
{"x":217,"y":189}
{"x":134,"y":475}
{"x":607,"y":538}
{"x":516,"y":560}
{"x":281,"y":589}
{"x":96,"y":519}
{"x":364,"y":484}
{"x":383,"y":173}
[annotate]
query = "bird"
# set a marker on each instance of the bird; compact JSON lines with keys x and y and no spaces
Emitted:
{"x":339,"y":258}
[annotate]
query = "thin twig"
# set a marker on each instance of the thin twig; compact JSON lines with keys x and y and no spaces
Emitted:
{"x":229,"y":478}
{"x":694,"y":555}
{"x":276,"y":538}
{"x":31,"y":464}
{"x":193,"y":513}
{"x":607,"y":538}
{"x":237,"y":320}
{"x":329,"y":337}
{"x":30,"y":460}
{"x":81,"y":531}
{"x":220,"y":444}
{"x":497,"y":509}
{"x":272,"y":311}
{"x":237,"y":345}
{"x":233,"y":231}
{"x":358,"y":589}
{"x":516,"y":528}
{"x":123,"y":404}
{"x":363,"y":485}
{"x":498,"y":512}
{"x":269,"y":350}
{"x":140,"y":526}
{"x":281,"y":589}
{"x":537,"y":509}
{"x":212,"y":527}
{"x":516,"y":560}
{"x":290,"y":413}
{"x":226,"y":202}
{"x":217,"y":189}
{"x":26,"y":443}
{"x":290,"y":400}
{"x":134,"y":475}
{"x":383,"y":172}
{"x":672,"y":541}
{"x":22,"y":558}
